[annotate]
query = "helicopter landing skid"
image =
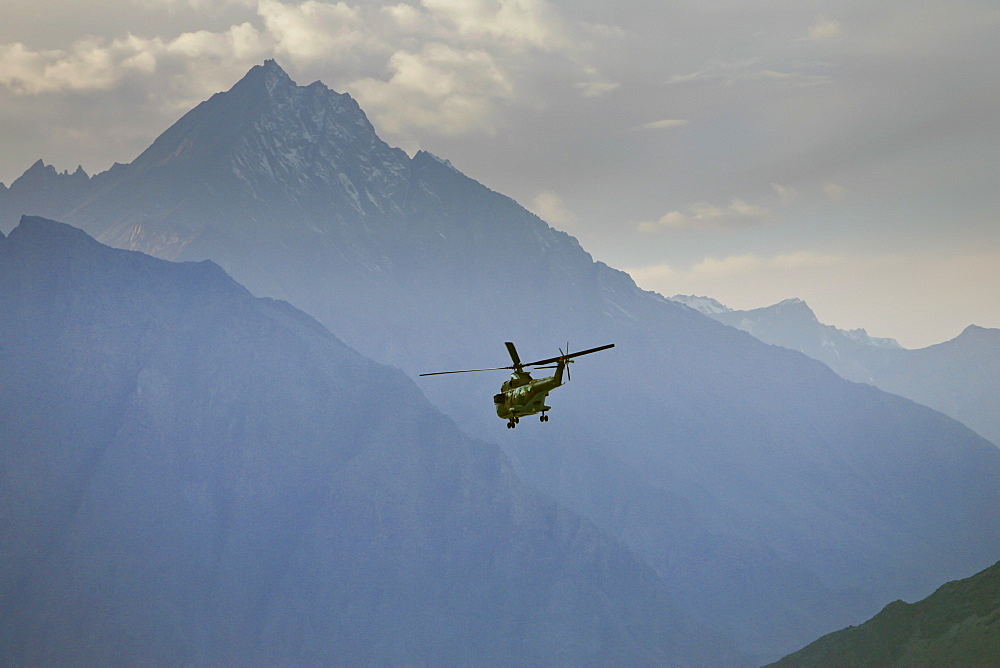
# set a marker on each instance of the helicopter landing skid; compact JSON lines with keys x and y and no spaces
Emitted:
{"x":513,"y":422}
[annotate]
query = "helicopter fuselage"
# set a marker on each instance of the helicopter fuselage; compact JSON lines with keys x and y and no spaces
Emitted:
{"x":523,"y":395}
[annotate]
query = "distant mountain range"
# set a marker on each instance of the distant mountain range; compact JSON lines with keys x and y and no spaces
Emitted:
{"x":775,"y":500}
{"x":957,"y":625}
{"x":960,"y":378}
{"x":192,"y":475}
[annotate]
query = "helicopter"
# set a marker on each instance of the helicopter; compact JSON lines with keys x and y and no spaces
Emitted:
{"x":523,"y":395}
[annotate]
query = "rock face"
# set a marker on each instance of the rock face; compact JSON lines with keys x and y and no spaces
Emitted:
{"x":194,"y":475}
{"x":960,"y":378}
{"x":958,"y":625}
{"x":777,"y":500}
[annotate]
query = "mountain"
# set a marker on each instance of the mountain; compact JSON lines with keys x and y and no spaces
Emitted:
{"x":705,"y":305}
{"x":792,"y":324}
{"x":776,"y":500}
{"x":195,"y":475}
{"x":960,"y":378}
{"x":42,"y":186}
{"x":957,"y":625}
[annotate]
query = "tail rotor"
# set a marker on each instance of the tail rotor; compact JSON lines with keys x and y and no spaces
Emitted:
{"x":567,"y":361}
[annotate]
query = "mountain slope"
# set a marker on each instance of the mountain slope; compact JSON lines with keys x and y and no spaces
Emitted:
{"x":960,"y":378}
{"x":776,"y":499}
{"x":193,"y":475}
{"x":957,"y":625}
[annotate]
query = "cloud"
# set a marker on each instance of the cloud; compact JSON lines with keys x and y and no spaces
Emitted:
{"x":550,"y":207}
{"x":198,"y":5}
{"x":447,"y":67}
{"x":786,"y":194}
{"x":91,"y":65}
{"x":835,"y":191}
{"x":517,"y":22}
{"x":435,"y":86}
{"x":714,"y":70}
{"x":97,"y":64}
{"x":653,"y":275}
{"x":728,"y":73}
{"x":703,"y":215}
{"x":405,"y":17}
{"x":455,"y":65}
{"x":441,"y":89}
{"x":752,"y":280}
{"x":824,"y":29}
{"x":737,"y":265}
{"x":312,"y":30}
{"x":595,"y":84}
{"x":240,"y":42}
{"x":662,"y":125}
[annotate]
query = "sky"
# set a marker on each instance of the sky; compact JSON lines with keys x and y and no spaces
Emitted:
{"x":842,"y":152}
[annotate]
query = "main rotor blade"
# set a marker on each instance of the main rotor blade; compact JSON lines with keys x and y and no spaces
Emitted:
{"x":513,"y":355}
{"x":566,"y":357}
{"x":441,"y":373}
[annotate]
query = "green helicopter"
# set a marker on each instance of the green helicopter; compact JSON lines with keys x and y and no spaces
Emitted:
{"x":523,"y":395}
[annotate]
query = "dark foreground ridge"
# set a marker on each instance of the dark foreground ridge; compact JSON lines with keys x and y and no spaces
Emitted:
{"x":958,"y":625}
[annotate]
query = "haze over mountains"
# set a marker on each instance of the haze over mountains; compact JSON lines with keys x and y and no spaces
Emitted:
{"x":960,"y":378}
{"x":194,"y":475}
{"x":774,"y":499}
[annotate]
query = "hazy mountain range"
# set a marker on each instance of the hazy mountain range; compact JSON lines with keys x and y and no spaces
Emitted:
{"x":774,"y":500}
{"x":960,"y":378}
{"x":958,"y":625}
{"x":192,"y":475}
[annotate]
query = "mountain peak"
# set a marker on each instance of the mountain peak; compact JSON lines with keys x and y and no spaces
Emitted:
{"x":705,"y":305}
{"x":307,"y":149}
{"x":267,"y":138}
{"x":794,"y":304}
{"x":976,"y":330}
{"x":36,"y":237}
{"x":34,"y":175}
{"x":41,"y":177}
{"x":422,"y":157}
{"x":270,"y":75}
{"x":974,"y":335}
{"x":35,"y":231}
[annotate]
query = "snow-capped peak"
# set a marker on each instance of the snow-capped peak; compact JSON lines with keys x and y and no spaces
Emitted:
{"x":705,"y":305}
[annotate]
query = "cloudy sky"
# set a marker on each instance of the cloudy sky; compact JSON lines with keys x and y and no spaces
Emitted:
{"x":843,"y":152}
